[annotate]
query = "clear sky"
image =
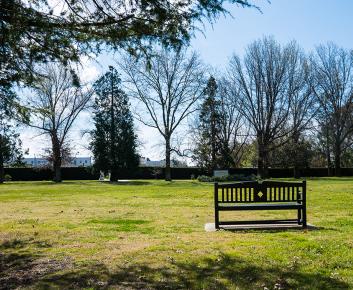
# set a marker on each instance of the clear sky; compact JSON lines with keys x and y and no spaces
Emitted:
{"x":310,"y":22}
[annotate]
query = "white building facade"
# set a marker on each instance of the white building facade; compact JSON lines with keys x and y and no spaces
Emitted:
{"x":42,"y":162}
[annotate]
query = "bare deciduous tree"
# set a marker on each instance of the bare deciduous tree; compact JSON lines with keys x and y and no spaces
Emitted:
{"x":55,"y":105}
{"x":267,"y":83}
{"x":303,"y":103}
{"x":168,"y":85}
{"x":233,"y":133}
{"x":333,"y":86}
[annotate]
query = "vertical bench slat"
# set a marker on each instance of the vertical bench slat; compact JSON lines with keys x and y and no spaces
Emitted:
{"x":281,"y":194}
{"x":273,"y":190}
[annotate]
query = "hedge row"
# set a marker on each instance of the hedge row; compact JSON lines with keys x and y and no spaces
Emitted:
{"x":87,"y":173}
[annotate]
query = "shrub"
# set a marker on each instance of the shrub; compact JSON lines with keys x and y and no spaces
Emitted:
{"x":157,"y":173}
{"x":204,"y":178}
{"x":7,"y":177}
{"x":233,"y":177}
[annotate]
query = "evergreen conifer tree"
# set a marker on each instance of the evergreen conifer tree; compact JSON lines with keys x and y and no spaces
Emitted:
{"x":10,"y":143}
{"x":207,"y":151}
{"x":114,"y":142}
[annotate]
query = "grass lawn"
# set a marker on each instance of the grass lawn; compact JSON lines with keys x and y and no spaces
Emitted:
{"x":150,"y":234}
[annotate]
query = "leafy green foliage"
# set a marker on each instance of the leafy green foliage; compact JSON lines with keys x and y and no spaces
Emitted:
{"x":39,"y":30}
{"x":292,"y":154}
{"x":231,"y":177}
{"x":10,"y":143}
{"x":114,"y":142}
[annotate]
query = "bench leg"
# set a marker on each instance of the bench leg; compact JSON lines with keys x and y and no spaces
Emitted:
{"x":216,"y":219}
{"x":299,"y":216}
{"x":304,"y":218}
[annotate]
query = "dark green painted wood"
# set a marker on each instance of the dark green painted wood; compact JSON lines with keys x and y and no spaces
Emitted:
{"x":267,"y":195}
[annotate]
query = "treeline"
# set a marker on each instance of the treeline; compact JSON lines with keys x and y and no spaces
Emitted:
{"x":276,"y":106}
{"x":279,"y":107}
{"x":88,"y":173}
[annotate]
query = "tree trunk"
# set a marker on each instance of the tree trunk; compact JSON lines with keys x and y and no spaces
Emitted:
{"x":114,"y":175}
{"x":329,"y":164}
{"x":262,"y":169}
{"x":338,"y":160}
{"x":213,"y":141}
{"x":328,"y":155}
{"x":56,"y":159}
{"x":296,"y":170}
{"x":168,"y":175}
{"x":57,"y":172}
{"x":2,"y":171}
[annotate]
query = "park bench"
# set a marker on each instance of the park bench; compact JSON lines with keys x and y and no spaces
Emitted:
{"x":266,"y":195}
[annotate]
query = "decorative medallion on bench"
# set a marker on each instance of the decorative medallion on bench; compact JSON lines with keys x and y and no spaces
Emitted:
{"x":267,"y":195}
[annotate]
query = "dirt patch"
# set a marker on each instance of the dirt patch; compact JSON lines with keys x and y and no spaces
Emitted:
{"x":24,"y":269}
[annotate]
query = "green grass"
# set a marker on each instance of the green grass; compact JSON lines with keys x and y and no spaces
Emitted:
{"x":150,"y":234}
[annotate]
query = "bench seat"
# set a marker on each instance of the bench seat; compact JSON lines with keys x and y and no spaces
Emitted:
{"x":261,"y":206}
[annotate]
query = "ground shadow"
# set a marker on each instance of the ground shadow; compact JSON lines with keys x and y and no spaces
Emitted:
{"x":127,"y":182}
{"x":223,"y":271}
{"x":269,"y":229}
{"x":218,"y":273}
{"x":20,"y":266}
{"x":48,"y":182}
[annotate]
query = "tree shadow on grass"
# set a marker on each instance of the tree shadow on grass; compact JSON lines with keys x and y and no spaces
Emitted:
{"x":268,"y":229}
{"x":127,"y":182}
{"x":49,"y":182}
{"x":223,"y":272}
{"x":23,"y":269}
{"x":21,"y":266}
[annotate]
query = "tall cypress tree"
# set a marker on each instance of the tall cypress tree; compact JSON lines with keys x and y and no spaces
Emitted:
{"x":114,"y":142}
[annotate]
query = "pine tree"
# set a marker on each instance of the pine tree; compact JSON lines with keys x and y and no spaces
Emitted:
{"x":208,"y":147}
{"x":114,"y":142}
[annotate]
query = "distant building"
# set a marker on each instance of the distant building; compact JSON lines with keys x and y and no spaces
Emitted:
{"x":81,"y":161}
{"x":146,"y":162}
{"x":42,"y":162}
{"x":36,"y":162}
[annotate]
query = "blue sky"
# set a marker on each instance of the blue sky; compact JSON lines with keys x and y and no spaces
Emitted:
{"x":309,"y":22}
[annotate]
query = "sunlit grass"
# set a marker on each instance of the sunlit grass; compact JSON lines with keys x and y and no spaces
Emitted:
{"x":150,"y":234}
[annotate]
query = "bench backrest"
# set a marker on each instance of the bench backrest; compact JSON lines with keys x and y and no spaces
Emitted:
{"x":267,"y":191}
